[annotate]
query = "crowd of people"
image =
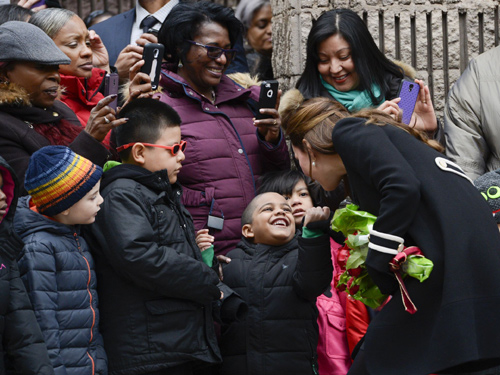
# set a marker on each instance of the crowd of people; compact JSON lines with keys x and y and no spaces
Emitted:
{"x":181,"y":233}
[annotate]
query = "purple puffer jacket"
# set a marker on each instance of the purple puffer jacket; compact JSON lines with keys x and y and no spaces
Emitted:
{"x":224,"y":156}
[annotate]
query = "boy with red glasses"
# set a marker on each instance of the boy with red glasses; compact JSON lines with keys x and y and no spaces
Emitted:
{"x":156,"y":292}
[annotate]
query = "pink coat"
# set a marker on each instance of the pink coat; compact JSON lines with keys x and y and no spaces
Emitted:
{"x":333,"y":351}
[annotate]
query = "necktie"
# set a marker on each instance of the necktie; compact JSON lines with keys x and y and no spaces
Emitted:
{"x":147,"y":23}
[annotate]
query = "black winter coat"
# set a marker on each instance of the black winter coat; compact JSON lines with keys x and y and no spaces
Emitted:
{"x":280,"y":285}
{"x":420,"y":196}
{"x":22,"y":348}
{"x":155,"y":292}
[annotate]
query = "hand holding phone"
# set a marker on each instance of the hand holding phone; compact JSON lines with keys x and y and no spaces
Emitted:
{"x":152,"y":56}
{"x":268,"y":97}
{"x":408,"y":92}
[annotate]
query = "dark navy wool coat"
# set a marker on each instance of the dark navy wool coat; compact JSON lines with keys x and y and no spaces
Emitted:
{"x":418,"y":195}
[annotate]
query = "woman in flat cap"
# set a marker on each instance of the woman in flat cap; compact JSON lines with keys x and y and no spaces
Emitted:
{"x":30,"y":113}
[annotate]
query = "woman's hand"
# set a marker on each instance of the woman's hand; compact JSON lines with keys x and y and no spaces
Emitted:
{"x":314,"y":214}
{"x":29,"y":3}
{"x":269,"y":128}
{"x":203,"y":239}
{"x":102,"y":119}
{"x":140,"y":84}
{"x":131,"y":54}
{"x":391,"y":107}
{"x":100,"y":58}
{"x":424,"y":117}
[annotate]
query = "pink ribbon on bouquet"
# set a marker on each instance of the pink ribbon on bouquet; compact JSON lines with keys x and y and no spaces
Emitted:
{"x":395,"y":264}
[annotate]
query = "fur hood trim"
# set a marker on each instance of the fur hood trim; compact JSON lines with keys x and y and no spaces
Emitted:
{"x":14,"y":95}
{"x":408,"y":70}
{"x":245,"y":80}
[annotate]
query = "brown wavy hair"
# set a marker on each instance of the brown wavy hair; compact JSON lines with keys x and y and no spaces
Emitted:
{"x":314,"y":120}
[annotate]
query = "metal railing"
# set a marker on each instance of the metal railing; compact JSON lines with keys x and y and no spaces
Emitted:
{"x":437,"y":43}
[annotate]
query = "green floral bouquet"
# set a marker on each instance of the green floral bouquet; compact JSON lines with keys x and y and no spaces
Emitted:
{"x":356,"y":226}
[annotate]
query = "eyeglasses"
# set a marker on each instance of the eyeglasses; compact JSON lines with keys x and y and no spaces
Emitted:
{"x":216,"y":52}
{"x":174,"y":149}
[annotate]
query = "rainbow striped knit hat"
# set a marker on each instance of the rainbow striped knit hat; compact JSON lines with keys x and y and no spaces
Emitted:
{"x":57,"y":178}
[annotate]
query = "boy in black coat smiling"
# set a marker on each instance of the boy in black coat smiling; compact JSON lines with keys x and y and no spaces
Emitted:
{"x":279,"y":275}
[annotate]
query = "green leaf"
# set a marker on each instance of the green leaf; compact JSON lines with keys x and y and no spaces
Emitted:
{"x":418,"y":267}
{"x":355,"y":260}
{"x":349,"y":220}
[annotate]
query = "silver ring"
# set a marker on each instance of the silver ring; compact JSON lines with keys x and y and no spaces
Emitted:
{"x":106,"y":119}
{"x":275,"y":122}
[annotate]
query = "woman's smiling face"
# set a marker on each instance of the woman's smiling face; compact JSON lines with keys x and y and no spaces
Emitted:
{"x":336,"y":65}
{"x":202,"y":72}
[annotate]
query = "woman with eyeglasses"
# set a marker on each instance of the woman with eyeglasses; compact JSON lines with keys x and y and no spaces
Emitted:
{"x":228,"y":149}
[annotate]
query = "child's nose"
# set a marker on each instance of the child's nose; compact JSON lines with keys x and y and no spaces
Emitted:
{"x":181,"y":156}
{"x":280,"y":211}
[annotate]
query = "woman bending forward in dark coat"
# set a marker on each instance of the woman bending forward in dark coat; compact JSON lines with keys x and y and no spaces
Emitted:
{"x":420,"y":199}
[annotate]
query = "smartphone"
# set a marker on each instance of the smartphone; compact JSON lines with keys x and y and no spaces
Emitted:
{"x":408,"y":92}
{"x":268,"y":97}
{"x":152,"y":56}
{"x":38,"y":4}
{"x":111,"y":83}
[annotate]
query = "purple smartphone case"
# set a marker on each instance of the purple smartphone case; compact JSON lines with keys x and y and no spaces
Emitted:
{"x":111,"y":83}
{"x":408,"y":92}
{"x":38,"y":4}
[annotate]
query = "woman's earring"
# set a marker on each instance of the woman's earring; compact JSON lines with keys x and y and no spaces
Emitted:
{"x":180,"y":65}
{"x":313,"y":163}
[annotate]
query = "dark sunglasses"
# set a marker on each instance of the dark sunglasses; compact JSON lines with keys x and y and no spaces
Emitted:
{"x":174,"y":149}
{"x":216,"y":52}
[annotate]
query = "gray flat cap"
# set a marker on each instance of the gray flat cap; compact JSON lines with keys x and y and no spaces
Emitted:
{"x":22,"y":41}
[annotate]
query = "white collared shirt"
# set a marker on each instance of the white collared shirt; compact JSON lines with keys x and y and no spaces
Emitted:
{"x":141,"y":13}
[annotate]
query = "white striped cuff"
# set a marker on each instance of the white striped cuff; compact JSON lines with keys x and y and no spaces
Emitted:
{"x":385,"y":243}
